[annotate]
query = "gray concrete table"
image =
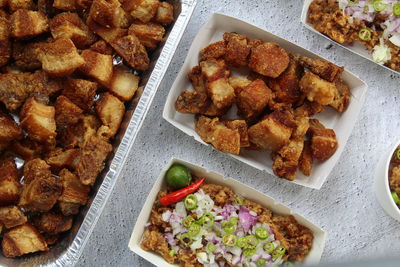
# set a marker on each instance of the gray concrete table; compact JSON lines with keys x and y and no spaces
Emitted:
{"x":345,"y":207}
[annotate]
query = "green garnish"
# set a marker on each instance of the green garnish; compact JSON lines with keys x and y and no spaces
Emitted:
{"x":190,"y":202}
{"x":207,"y":220}
{"x":395,"y":197}
{"x":211,"y":247}
{"x":248,"y":252}
{"x":241,"y":242}
{"x":261,"y":262}
{"x":366,"y":9}
{"x":252,"y":241}
{"x":269,"y":247}
{"x":186,"y":240}
{"x":239,"y":200}
{"x":194,"y":229}
{"x":379,"y":6}
{"x":262,"y":233}
{"x":229,"y":240}
{"x":234,"y":219}
{"x":396,"y":9}
{"x":365,"y":34}
{"x":188,"y":221}
{"x":171,"y":252}
{"x":278,"y":252}
{"x":229,"y":226}
{"x":398,"y":154}
{"x":288,"y":264}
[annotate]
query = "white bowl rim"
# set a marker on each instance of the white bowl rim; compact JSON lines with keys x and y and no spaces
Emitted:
{"x":387,"y":186}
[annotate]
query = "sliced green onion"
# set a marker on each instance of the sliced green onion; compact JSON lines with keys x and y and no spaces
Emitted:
{"x":252,"y":241}
{"x":396,"y":9}
{"x":186,"y":240}
{"x":398,"y":154}
{"x":207,"y":220}
{"x":365,"y":34}
{"x":190,"y":202}
{"x":278,"y":252}
{"x":241,"y":242}
{"x":211,"y":247}
{"x":269,"y":247}
{"x":395,"y":197}
{"x":262,"y":233}
{"x":194,"y":229}
{"x":188,"y":221}
{"x":171,"y":252}
{"x":239,"y":200}
{"x":235,"y":220}
{"x":248,"y":252}
{"x":261,"y":262}
{"x":229,"y":240}
{"x":379,"y":6}
{"x":229,"y":227}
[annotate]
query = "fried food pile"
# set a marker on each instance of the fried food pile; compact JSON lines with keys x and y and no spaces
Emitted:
{"x":62,"y":101}
{"x":275,"y":102}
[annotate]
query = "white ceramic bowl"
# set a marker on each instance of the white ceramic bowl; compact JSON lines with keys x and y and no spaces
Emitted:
{"x":381,"y":185}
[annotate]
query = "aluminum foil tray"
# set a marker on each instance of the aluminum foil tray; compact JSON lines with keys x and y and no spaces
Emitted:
{"x":71,"y":245}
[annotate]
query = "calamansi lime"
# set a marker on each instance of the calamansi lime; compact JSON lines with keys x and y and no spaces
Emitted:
{"x":178,"y":176}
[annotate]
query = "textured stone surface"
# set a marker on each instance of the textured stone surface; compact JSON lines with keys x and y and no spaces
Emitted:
{"x":345,"y":207}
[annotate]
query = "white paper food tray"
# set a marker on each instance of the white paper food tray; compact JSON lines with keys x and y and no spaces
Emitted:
{"x":343,"y":123}
{"x":356,"y":47}
{"x":215,"y":178}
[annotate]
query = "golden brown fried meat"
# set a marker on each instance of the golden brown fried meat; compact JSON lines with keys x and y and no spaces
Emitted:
{"x":190,"y":102}
{"x":9,"y":129}
{"x":74,"y":194}
{"x":27,"y":149}
{"x":25,"y":24}
{"x":124,"y":84}
{"x":306,"y":159}
{"x":22,"y":240}
{"x":323,"y":141}
{"x":342,"y":97}
{"x":239,"y":83}
{"x":155,"y":241}
{"x":5,"y":44}
{"x":79,"y":134}
{"x":14,"y":5}
{"x":80,"y":92}
{"x":66,"y":112}
{"x":26,"y":55}
{"x":237,"y":49}
{"x":60,"y":158}
{"x":309,"y":108}
{"x":108,"y":13}
{"x":102,"y":47}
{"x":66,"y":5}
{"x":273,"y":132}
{"x":92,"y":158}
{"x":287,"y":158}
{"x":11,"y":216}
{"x":253,"y":99}
{"x":36,"y":169}
{"x":324,"y":69}
{"x":38,"y":121}
{"x":269,"y":59}
{"x":317,"y":89}
{"x":9,"y":185}
{"x":214,"y":50}
{"x":97,"y":66}
{"x":132,"y":51}
{"x":149,"y":34}
{"x":241,"y":126}
{"x":197,"y":80}
{"x":52,"y":223}
{"x":143,"y":10}
{"x":110,"y":111}
{"x":165,"y":13}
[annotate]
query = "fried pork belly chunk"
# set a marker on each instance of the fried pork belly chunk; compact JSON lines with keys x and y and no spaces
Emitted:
{"x":165,"y":13}
{"x":342,"y":97}
{"x":9,"y":129}
{"x":26,"y":55}
{"x":3,"y":3}
{"x":14,"y":5}
{"x":74,"y":194}
{"x":80,"y":92}
{"x":143,"y":10}
{"x":36,"y":169}
{"x":92,"y":158}
{"x":60,"y":57}
{"x":132,"y":51}
{"x":52,"y":223}
{"x":70,"y":26}
{"x":214,"y":50}
{"x":97,"y":66}
{"x":221,"y":137}
{"x":124,"y":84}
{"x":317,"y":89}
{"x":66,"y":112}
{"x":306,"y":159}
{"x":269,"y":59}
{"x":79,"y":134}
{"x":27,"y":149}
{"x":60,"y":158}
{"x":107,"y":13}
{"x":9,"y":185}
{"x":237,"y":49}
{"x":22,"y":240}
{"x":253,"y":99}
{"x":25,"y":24}
{"x":287,"y":159}
{"x":5,"y":44}
{"x":38,"y":121}
{"x":273,"y":132}
{"x":11,"y":216}
{"x":324,"y":69}
{"x":111,"y":112}
{"x":194,"y":102}
{"x":155,"y":241}
{"x":218,"y":88}
{"x":286,"y":86}
{"x":323,"y":141}
{"x":149,"y":34}
{"x":239,"y":83}
{"x":241,"y":126}
{"x":102,"y":47}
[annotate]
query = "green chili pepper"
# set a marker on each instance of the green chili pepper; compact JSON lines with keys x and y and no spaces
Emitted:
{"x":239,"y":200}
{"x":229,"y":227}
{"x":261,"y":262}
{"x":211,"y":247}
{"x":248,"y":252}
{"x":379,"y":6}
{"x":269,"y":247}
{"x":234,"y":219}
{"x":207,"y":220}
{"x":395,"y":197}
{"x":252,"y":241}
{"x":188,"y":221}
{"x":366,"y":9}
{"x":229,"y":240}
{"x":396,"y":9}
{"x":194,"y":229}
{"x":241,"y":242}
{"x":262,"y":233}
{"x":278,"y":252}
{"x":365,"y":34}
{"x":190,"y":202}
{"x":186,"y":240}
{"x":171,"y":252}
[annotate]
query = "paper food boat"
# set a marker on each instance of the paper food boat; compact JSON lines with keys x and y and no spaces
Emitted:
{"x":343,"y":123}
{"x":215,"y":178}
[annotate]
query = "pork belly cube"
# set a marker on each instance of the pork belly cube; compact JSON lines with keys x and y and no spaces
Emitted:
{"x":36,"y":169}
{"x":268,"y":59}
{"x":9,"y":129}
{"x":111,"y":112}
{"x":149,"y":34}
{"x":306,"y":159}
{"x":74,"y":195}
{"x":165,"y":13}
{"x":238,"y":83}
{"x":38,"y":121}
{"x":108,"y":34}
{"x":27,"y":149}
{"x":80,"y":92}
{"x":191,"y":102}
{"x":323,"y":141}
{"x":97,"y":66}
{"x":70,"y":26}
{"x":317,"y":89}
{"x":26,"y":55}
{"x":253,"y":99}
{"x":143,"y":10}
{"x":241,"y":126}
{"x":287,"y":159}
{"x":79,"y":134}
{"x":60,"y":158}
{"x":273,"y":132}
{"x":214,"y":50}
{"x":237,"y":49}
{"x":93,"y":156}
{"x":12,"y":216}
{"x":124,"y":84}
{"x":52,"y":223}
{"x":9,"y":185}
{"x":324,"y":69}
{"x":22,"y":240}
{"x":14,"y":5}
{"x":132,"y":51}
{"x":66,"y":5}
{"x":108,"y":13}
{"x":5,"y":44}
{"x":3,"y":3}
{"x":102,"y":47}
{"x":342,"y":97}
{"x":26,"y":24}
{"x":66,"y":112}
